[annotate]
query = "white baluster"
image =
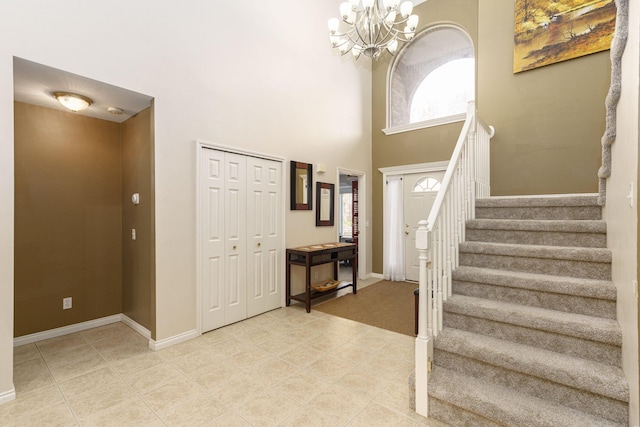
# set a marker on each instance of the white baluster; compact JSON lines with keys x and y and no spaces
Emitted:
{"x":422,"y":245}
{"x":424,"y":345}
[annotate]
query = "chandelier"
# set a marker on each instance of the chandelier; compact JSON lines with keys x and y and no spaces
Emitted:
{"x":372,"y":26}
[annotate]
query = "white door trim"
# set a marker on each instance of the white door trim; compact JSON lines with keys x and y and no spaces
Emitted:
{"x":199,"y":146}
{"x":402,"y":170}
{"x":417,"y":168}
{"x":363,"y":226}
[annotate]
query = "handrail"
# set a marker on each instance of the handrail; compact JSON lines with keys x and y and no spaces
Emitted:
{"x":437,"y":239}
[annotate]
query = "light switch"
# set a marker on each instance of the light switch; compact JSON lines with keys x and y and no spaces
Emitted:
{"x":135,"y":198}
{"x":133,"y":234}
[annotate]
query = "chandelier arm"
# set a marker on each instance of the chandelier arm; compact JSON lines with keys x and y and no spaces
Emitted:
{"x":360,"y":36}
{"x":380,"y":22}
{"x":384,"y":40}
{"x":392,"y":31}
{"x":396,"y":32}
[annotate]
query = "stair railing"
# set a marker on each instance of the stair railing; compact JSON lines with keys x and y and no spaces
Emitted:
{"x":437,"y":239}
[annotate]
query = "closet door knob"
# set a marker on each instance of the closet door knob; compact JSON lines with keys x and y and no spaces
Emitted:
{"x":234,"y":247}
{"x":259,"y":244}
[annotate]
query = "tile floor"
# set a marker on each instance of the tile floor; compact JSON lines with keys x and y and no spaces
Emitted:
{"x":282,"y":368}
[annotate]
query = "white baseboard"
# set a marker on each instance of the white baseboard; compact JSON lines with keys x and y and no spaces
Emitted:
{"x":58,"y":332}
{"x":176,"y":339}
{"x":135,"y":326}
{"x":78,"y":327}
{"x":8,"y":396}
{"x":377,"y":276}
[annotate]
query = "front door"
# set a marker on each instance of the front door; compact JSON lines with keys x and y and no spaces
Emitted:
{"x":420,"y":191}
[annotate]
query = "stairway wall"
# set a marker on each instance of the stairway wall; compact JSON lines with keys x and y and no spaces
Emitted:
{"x":622,"y":216}
{"x":548,"y":134}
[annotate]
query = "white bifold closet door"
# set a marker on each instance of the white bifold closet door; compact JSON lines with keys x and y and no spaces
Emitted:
{"x":242,"y":245}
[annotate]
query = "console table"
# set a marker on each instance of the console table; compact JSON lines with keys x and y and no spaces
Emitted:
{"x":312,"y":255}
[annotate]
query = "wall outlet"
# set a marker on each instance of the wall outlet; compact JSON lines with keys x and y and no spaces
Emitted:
{"x":67,"y":303}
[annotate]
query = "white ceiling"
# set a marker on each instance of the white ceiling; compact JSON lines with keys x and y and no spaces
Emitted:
{"x":34,"y":83}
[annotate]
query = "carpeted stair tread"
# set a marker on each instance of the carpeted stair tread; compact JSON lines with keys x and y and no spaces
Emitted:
{"x":504,"y":405}
{"x":588,"y":200}
{"x":564,"y":226}
{"x":575,"y":325}
{"x":538,"y":251}
{"x":581,"y":374}
{"x":575,"y":286}
{"x":576,"y":207}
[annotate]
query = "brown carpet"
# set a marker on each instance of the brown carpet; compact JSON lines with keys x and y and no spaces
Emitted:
{"x":385,"y":304}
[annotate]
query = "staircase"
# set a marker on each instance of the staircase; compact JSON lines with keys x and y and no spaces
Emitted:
{"x":530,"y":334}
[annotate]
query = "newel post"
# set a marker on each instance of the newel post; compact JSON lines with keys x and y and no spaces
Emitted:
{"x":424,"y":344}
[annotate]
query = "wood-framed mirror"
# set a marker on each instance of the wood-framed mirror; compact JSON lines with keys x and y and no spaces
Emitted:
{"x":324,"y":204}
{"x":301,"y":186}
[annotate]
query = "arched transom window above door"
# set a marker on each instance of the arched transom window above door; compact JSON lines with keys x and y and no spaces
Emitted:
{"x":426,"y":184}
{"x":431,"y":80}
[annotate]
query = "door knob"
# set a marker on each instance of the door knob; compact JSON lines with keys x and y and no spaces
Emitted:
{"x":406,"y":232}
{"x":258,"y":244}
{"x":234,"y":247}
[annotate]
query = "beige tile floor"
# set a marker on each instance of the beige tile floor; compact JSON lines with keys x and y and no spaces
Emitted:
{"x":282,"y":368}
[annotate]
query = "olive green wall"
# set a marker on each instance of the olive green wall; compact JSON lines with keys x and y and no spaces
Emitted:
{"x":548,"y":121}
{"x":68,"y":218}
{"x":418,"y":146}
{"x":138,"y":256}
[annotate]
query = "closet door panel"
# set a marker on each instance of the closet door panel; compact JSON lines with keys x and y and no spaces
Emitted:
{"x":212,"y":239}
{"x":264,"y":235}
{"x":235,"y":236}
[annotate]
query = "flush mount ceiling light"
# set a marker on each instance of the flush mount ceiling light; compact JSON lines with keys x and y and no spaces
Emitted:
{"x":371,"y":26}
{"x":73,"y":101}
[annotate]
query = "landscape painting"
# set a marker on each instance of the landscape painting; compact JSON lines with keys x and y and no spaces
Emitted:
{"x":550,"y":31}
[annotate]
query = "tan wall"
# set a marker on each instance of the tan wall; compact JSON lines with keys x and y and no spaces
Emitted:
{"x":548,"y":120}
{"x":418,"y":146}
{"x":138,"y":255}
{"x":67,"y":218}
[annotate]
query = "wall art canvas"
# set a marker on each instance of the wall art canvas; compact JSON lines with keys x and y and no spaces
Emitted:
{"x":550,"y":31}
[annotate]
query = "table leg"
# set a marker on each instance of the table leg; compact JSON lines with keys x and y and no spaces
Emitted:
{"x":354,"y":272}
{"x":288,"y":283}
{"x":307,"y":301}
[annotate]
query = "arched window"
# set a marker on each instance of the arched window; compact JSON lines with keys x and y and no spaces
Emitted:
{"x":431,"y":80}
{"x":426,"y":184}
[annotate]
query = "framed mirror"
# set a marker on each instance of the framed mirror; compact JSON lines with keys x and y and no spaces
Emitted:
{"x":324,"y":204}
{"x":301,"y":186}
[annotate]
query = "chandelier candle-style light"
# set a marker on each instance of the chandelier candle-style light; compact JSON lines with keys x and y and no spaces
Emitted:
{"x":372,"y":26}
